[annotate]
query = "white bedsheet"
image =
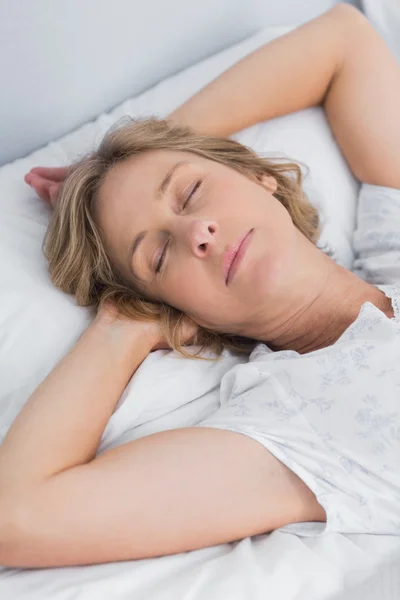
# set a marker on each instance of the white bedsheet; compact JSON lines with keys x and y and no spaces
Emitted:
{"x":277,"y":566}
{"x":38,"y":324}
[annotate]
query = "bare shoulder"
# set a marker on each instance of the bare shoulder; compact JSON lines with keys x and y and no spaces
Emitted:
{"x":168,"y":492}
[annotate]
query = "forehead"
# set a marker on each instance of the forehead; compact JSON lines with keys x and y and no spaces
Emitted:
{"x":142,"y":174}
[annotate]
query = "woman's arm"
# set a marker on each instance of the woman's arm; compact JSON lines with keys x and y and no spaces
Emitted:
{"x":61,"y":424}
{"x":337,"y":60}
{"x":169,"y":492}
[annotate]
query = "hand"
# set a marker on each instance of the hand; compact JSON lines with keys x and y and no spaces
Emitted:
{"x":47,"y":181}
{"x":108,"y":313}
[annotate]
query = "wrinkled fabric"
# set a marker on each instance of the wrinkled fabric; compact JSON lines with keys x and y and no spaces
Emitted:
{"x":333,"y":415}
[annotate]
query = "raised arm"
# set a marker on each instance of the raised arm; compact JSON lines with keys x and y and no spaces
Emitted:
{"x":168,"y":492}
{"x":338,"y":61}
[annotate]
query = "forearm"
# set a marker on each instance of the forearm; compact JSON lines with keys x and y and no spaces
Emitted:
{"x":62,"y":423}
{"x":338,"y":61}
{"x":290,"y":73}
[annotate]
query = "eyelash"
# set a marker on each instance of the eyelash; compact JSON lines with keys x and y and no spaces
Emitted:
{"x":188,"y":200}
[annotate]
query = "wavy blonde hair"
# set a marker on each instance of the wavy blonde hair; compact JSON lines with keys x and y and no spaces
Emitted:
{"x":73,"y":246}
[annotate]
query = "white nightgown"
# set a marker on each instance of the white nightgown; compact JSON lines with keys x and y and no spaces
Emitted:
{"x":333,"y":415}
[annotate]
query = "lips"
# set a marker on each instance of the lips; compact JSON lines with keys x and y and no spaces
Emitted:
{"x":234,"y":255}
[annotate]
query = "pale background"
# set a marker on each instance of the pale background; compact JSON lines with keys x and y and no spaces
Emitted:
{"x":63,"y":62}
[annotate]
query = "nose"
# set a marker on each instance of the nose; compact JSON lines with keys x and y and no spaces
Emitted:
{"x":201,"y":236}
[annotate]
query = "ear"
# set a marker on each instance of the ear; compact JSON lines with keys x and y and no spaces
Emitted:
{"x":269,"y":182}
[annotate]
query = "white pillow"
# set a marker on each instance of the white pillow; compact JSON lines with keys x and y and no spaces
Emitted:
{"x":39,"y":324}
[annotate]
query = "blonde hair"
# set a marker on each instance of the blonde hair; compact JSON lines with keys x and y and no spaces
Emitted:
{"x":78,"y":263}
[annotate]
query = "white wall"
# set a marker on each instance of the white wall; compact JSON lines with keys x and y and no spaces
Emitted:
{"x":64,"y":62}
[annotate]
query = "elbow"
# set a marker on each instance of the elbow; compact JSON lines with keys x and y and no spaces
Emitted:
{"x":352,"y":21}
{"x":347,"y":12}
{"x":24,"y":541}
{"x":8,"y":535}
{"x":14,"y":536}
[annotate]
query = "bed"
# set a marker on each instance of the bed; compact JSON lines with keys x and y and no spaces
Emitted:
{"x":39,"y":324}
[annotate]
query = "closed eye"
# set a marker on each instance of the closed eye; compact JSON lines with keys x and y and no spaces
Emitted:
{"x":194,"y":190}
{"x":188,"y":200}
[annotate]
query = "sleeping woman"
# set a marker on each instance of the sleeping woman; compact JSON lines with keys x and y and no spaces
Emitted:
{"x":180,"y":236}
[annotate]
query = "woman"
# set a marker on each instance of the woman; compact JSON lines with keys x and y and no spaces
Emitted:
{"x":309,"y":428}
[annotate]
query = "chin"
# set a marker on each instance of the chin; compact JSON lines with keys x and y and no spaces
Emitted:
{"x":265,"y":275}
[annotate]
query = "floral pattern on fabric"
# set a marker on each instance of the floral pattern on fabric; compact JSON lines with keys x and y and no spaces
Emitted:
{"x":333,"y":415}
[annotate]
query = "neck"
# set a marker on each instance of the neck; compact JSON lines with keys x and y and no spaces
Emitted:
{"x":328,"y":298}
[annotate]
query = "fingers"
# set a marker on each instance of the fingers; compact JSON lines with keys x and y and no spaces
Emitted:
{"x":40,"y":185}
{"x":53,"y":173}
{"x":46,"y":181}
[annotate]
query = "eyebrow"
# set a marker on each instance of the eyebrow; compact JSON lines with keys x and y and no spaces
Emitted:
{"x":161,"y":191}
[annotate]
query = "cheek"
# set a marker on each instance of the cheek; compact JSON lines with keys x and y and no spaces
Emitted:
{"x":275,"y":264}
{"x":187,"y":286}
{"x":271,"y":257}
{"x":191,"y":290}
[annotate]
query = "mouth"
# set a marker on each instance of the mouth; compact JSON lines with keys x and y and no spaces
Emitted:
{"x":234,"y":256}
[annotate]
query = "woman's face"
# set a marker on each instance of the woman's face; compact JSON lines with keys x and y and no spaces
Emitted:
{"x":185,"y":213}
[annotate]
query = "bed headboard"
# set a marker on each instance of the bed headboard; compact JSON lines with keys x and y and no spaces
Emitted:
{"x":63,"y":63}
